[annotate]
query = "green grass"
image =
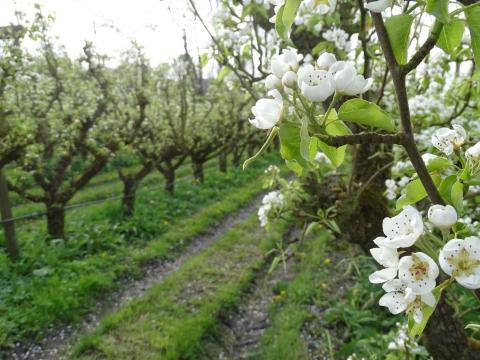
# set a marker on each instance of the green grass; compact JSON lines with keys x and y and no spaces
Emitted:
{"x":60,"y":281}
{"x":171,"y":320}
{"x":345,"y":322}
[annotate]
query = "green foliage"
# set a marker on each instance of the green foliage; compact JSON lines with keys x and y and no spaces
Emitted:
{"x":398,"y":29}
{"x":472,"y":14}
{"x":439,"y":9}
{"x":362,"y":112}
{"x":451,"y":36}
{"x":285,"y":17}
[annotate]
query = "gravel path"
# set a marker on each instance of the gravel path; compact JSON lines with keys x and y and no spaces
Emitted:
{"x":58,"y":340}
{"x":242,"y":329}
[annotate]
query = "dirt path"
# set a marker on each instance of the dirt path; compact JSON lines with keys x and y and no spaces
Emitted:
{"x":58,"y":340}
{"x":242,"y":330}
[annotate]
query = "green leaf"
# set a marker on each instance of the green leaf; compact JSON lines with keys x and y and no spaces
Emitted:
{"x":285,"y":18}
{"x":451,"y":36}
{"x":398,"y":29}
{"x":472,"y":15}
{"x":457,"y":196}
{"x":366,"y":113}
{"x":414,"y":329}
{"x":439,"y":9}
{"x":414,"y":192}
{"x":224,"y":72}
{"x":334,"y":127}
{"x":304,"y":139}
{"x":445,"y":187}
{"x":290,"y":144}
{"x":204,"y":59}
{"x":439,"y":163}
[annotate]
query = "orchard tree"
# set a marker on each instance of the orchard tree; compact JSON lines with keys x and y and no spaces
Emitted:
{"x":365,"y":81}
{"x":69,"y":104}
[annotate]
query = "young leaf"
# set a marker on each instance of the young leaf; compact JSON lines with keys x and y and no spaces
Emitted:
{"x":472,"y":15}
{"x":414,"y":192}
{"x":334,"y":127}
{"x":439,"y":9}
{"x":366,"y":113}
{"x":451,"y":36}
{"x":285,"y":18}
{"x":398,"y":29}
{"x":457,"y":196}
{"x":290,"y":142}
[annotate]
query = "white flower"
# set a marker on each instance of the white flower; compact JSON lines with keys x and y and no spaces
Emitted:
{"x":418,"y":272}
{"x":401,"y":230}
{"x":347,"y":81}
{"x":388,"y":258}
{"x":321,"y":157}
{"x":461,"y":260}
{"x":379,"y":5}
{"x":473,"y":156}
{"x":284,"y":62}
{"x":289,"y":79}
{"x":401,"y":298}
{"x":267,"y":112}
{"x":446,"y":140}
{"x":271,"y":201}
{"x":272,"y":82}
{"x":326,"y":7}
{"x":326,"y":60}
{"x":315,"y":85}
{"x":443,"y":217}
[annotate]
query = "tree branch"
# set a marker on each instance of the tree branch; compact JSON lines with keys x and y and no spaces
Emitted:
{"x":364,"y":138}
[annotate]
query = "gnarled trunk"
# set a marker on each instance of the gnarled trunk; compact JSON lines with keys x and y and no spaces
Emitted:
{"x":128,"y":199}
{"x":169,"y":174}
{"x":56,"y":220}
{"x":222,"y":162}
{"x":197,"y":167}
{"x":444,"y":337}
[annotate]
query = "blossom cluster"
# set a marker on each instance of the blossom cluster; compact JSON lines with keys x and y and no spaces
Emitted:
{"x":271,"y":203}
{"x":409,"y":280}
{"x":316,"y":82}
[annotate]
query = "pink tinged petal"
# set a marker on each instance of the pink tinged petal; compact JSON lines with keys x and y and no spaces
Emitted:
{"x":428,"y":299}
{"x":383,"y":275}
{"x":387,"y":257}
{"x":394,"y":301}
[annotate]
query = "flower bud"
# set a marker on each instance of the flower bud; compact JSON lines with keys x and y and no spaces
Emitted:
{"x":272,"y":82}
{"x":442,"y":217}
{"x":289,"y":79}
{"x":326,"y":60}
{"x":473,"y":153}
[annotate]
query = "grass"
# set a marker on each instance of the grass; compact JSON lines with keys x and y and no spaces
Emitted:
{"x":58,"y":282}
{"x":329,"y":310}
{"x":171,"y":320}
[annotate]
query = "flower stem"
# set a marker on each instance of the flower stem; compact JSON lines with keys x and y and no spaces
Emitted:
{"x":336,"y":96}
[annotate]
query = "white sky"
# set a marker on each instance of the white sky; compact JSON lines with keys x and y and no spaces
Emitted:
{"x":112,"y":24}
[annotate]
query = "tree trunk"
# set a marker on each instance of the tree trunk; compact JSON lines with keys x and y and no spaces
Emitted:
{"x":197,"y":167}
{"x":444,"y":337}
{"x":128,"y":200}
{"x":56,"y":221}
{"x":222,"y":162}
{"x":364,"y":207}
{"x":169,"y":174}
{"x":6,"y":213}
{"x":237,"y":157}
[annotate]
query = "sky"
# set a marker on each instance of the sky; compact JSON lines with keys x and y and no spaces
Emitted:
{"x":113,"y":24}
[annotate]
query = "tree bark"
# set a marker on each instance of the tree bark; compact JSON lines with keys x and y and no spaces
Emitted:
{"x":128,"y":200}
{"x":169,"y":175}
{"x":56,"y":221}
{"x":222,"y":162}
{"x":444,"y":337}
{"x":197,"y":167}
{"x":6,"y":213}
{"x":237,"y":157}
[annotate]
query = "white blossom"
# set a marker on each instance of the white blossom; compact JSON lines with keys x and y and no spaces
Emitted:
{"x":267,"y":112}
{"x":325,"y":60}
{"x":388,"y":258}
{"x":289,"y":80}
{"x":284,"y":62}
{"x":272,"y":82}
{"x":418,"y":272}
{"x":442,"y":217}
{"x":401,"y":230}
{"x":315,"y":85}
{"x":347,"y":81}
{"x":461,"y":260}
{"x":447,"y":140}
{"x":270,"y":201}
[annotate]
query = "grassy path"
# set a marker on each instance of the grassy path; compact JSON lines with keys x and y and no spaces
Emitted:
{"x":173,"y":317}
